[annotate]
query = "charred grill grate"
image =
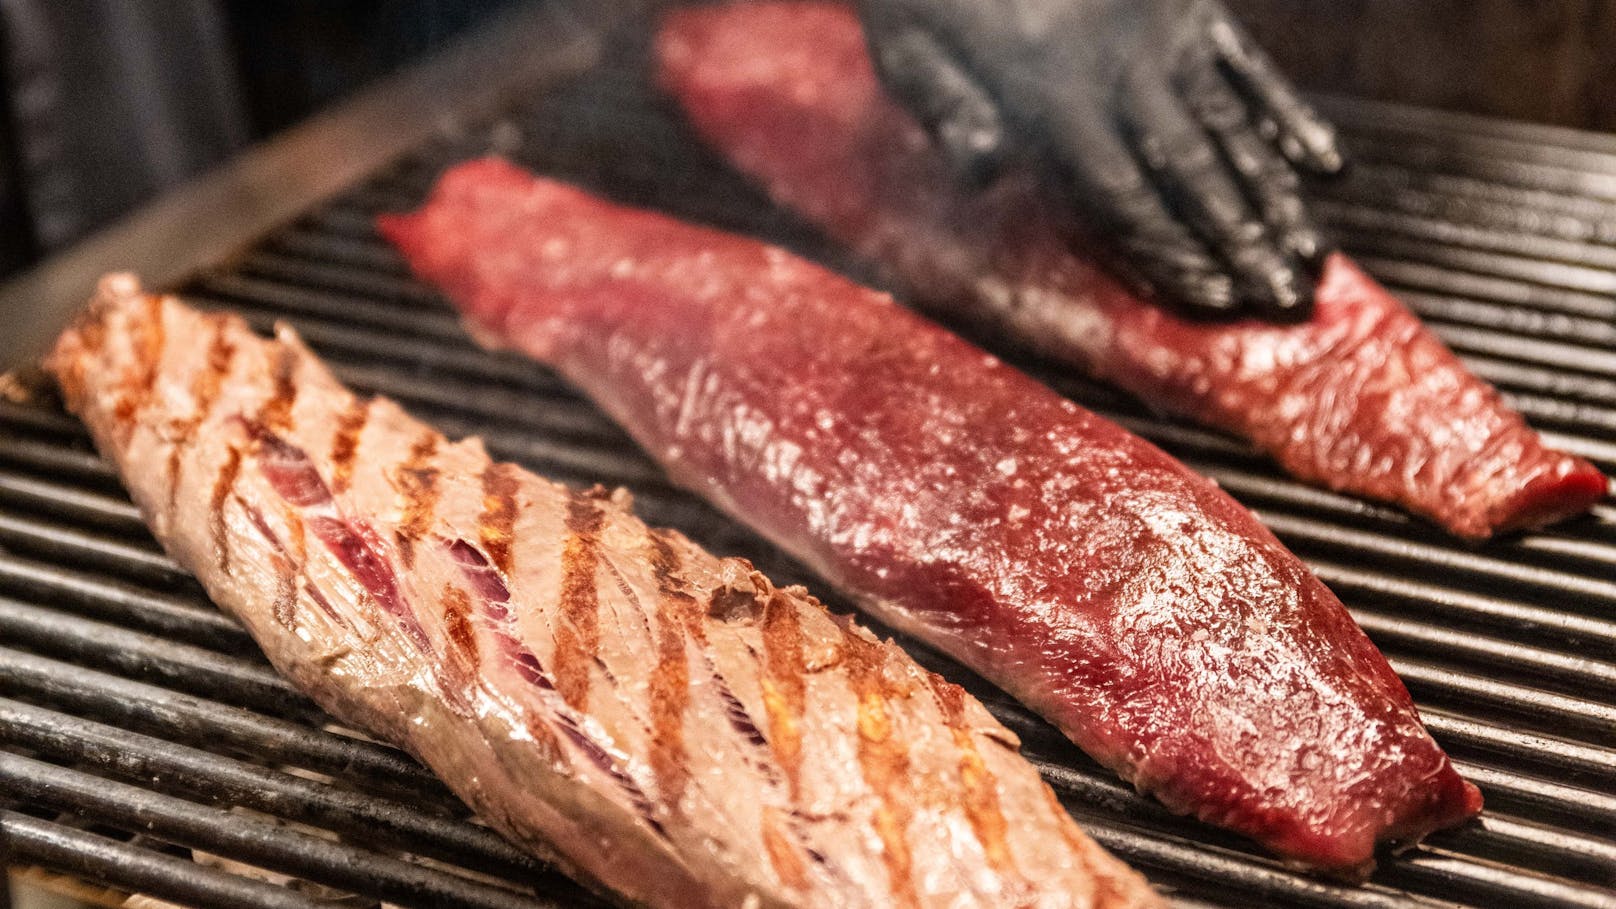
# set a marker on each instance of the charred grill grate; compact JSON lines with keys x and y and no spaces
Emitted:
{"x":139,"y":727}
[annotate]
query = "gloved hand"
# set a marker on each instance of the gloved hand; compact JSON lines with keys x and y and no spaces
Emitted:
{"x":1169,"y":129}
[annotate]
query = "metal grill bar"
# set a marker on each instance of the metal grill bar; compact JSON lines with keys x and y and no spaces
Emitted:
{"x":198,"y":721}
{"x":115,"y":670}
{"x":205,"y":776}
{"x":252,"y":840}
{"x":33,"y":841}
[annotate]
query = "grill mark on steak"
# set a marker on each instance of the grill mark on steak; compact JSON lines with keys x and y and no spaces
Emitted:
{"x":785,"y":840}
{"x":276,"y":413}
{"x":298,"y":544}
{"x":345,"y":443}
{"x":205,"y":387}
{"x":222,"y":485}
{"x":500,"y":485}
{"x":457,"y":673}
{"x":457,"y":627}
{"x":294,"y":477}
{"x":418,"y":483}
{"x":577,"y":636}
{"x":666,"y":566}
{"x":551,"y":716}
{"x":782,"y":852}
{"x":981,"y":795}
{"x":149,"y":339}
{"x":784,"y":692}
{"x":676,"y":622}
{"x":884,"y":762}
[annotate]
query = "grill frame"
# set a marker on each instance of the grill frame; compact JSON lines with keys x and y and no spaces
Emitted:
{"x":113,"y":666}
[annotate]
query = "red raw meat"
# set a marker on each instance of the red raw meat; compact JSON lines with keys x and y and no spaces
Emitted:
{"x":1123,"y":597}
{"x":1362,"y":399}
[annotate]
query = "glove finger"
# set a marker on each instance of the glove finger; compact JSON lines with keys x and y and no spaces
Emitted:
{"x":1197,"y":183}
{"x":1269,"y":181}
{"x":955,"y":110}
{"x":1160,"y":256}
{"x":1304,"y":137}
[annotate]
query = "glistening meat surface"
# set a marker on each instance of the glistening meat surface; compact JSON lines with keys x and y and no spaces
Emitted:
{"x":666,"y":723}
{"x":1361,"y":399}
{"x":1096,"y":579}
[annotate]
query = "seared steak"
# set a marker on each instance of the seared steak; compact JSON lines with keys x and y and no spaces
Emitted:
{"x":665,"y":723}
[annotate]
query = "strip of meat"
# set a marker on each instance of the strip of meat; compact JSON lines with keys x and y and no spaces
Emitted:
{"x":1362,"y":399}
{"x":1098,"y":580}
{"x":667,"y":724}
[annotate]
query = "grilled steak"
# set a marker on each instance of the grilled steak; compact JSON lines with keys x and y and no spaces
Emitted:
{"x":1361,"y":399}
{"x":666,"y":723}
{"x":1129,"y":601}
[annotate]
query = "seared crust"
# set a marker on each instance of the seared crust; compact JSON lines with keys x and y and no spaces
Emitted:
{"x":666,"y":723}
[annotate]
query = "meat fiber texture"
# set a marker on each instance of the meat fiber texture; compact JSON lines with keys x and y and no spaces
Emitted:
{"x":1361,"y":399}
{"x":1096,"y":579}
{"x":666,"y":724}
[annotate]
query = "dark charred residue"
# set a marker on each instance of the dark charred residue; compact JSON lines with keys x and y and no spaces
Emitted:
{"x":578,"y":633}
{"x":345,"y":442}
{"x":666,"y":565}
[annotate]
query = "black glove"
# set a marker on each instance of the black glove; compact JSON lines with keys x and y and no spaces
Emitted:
{"x":1170,"y":130}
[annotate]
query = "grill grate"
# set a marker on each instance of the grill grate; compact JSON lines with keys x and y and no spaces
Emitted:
{"x":137,"y":723}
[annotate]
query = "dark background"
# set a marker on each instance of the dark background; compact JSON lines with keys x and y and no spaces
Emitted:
{"x":108,"y":102}
{"x":1552,"y":61}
